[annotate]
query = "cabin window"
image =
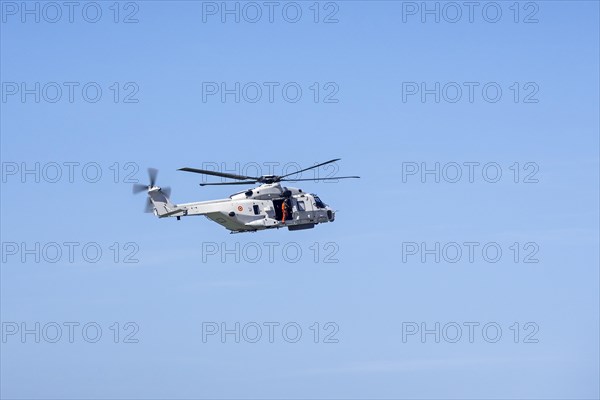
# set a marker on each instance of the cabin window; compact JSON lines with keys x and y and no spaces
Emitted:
{"x":256,"y":210}
{"x":301,"y":206}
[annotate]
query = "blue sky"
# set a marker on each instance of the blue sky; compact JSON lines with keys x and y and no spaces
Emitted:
{"x":375,"y":290}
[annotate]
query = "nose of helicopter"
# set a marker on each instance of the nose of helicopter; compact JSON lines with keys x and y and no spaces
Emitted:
{"x":330,"y":214}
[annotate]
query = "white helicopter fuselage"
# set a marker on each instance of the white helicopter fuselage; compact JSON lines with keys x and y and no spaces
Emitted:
{"x":252,"y":210}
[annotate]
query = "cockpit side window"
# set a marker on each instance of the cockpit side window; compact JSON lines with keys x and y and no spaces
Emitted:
{"x":301,"y":206}
{"x":318,"y":202}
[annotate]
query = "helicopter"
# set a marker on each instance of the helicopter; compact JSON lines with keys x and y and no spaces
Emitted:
{"x":268,"y":206}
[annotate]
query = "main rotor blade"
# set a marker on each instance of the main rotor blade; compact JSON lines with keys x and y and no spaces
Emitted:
{"x":166,"y":191}
{"x":228,"y":183}
{"x":322,"y":179}
{"x":215,"y":173}
{"x":138,"y":188}
{"x":152,"y":173}
{"x":314,"y":166}
{"x":149,"y":206}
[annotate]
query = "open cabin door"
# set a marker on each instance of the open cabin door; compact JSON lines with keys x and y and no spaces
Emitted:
{"x":279,"y":212}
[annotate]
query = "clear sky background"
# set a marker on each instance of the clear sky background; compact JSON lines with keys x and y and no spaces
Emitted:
{"x":371,"y":292}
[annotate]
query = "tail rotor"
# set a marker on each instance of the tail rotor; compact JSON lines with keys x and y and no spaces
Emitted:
{"x":151,"y":187}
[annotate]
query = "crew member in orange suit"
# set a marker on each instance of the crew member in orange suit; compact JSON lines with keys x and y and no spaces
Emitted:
{"x":284,"y":210}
